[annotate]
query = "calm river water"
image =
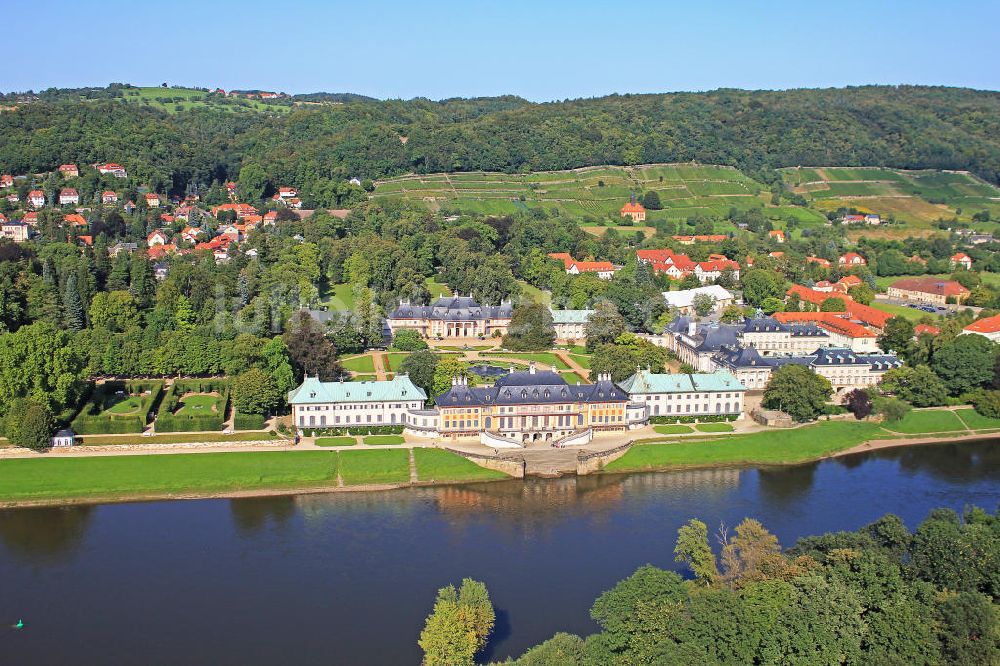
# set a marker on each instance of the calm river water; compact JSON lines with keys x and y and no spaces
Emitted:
{"x":349,"y":578}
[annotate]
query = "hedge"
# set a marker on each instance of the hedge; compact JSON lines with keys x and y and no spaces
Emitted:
{"x":704,"y":418}
{"x":354,"y":430}
{"x":92,"y":419}
{"x":248,"y":421}
{"x":168,"y":421}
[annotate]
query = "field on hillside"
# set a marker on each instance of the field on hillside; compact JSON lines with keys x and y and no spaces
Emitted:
{"x":174,"y":100}
{"x":593,"y":194}
{"x":914,"y":197}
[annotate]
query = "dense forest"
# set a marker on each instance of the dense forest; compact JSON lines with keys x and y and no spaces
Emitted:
{"x":321,"y":141}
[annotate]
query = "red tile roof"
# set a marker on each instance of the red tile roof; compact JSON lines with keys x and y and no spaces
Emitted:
{"x":987,"y":325}
{"x":931,"y":286}
{"x":631,"y":207}
{"x":920,"y":329}
{"x":75,"y":219}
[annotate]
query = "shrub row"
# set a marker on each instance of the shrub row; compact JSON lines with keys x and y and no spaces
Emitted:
{"x":704,"y":418}
{"x":248,"y":421}
{"x":354,"y":430}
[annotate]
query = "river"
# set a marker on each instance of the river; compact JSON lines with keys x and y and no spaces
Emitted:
{"x":348,"y":578}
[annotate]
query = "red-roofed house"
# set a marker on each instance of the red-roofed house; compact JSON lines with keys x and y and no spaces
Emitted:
{"x":6,"y":180}
{"x":854,"y":219}
{"x":864,"y":314}
{"x":270,"y":217}
{"x":922,"y":329}
{"x":294,"y":202}
{"x":231,"y":189}
{"x":86,"y":241}
{"x":191,"y":234}
{"x":776,"y":255}
{"x":634,"y":210}
{"x":75,"y":219}
{"x":988,"y":328}
{"x":109,"y":197}
{"x":708,"y":271}
{"x":36,"y":198}
{"x":219,"y":246}
{"x":287,"y":192}
{"x":116,"y":170}
{"x":69,"y":170}
{"x":604,"y":269}
{"x":152,"y":199}
{"x":31,"y":217}
{"x":852,"y":259}
{"x":777,"y":234}
{"x":68,"y":197}
{"x":817,"y":260}
{"x":156,"y":237}
{"x":927,"y":290}
{"x":961,"y":260}
{"x":166,"y":218}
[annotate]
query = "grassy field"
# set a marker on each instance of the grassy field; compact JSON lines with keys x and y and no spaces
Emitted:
{"x":382,"y":440}
{"x":902,"y":311}
{"x":195,"y":404}
{"x":533,"y":293}
{"x":437,"y":290}
{"x":439,"y":465}
{"x":380,"y":466}
{"x":772,"y":447}
{"x":975,"y":420}
{"x":346,"y":440}
{"x":340,"y":297}
{"x":883,"y":281}
{"x":114,"y":476}
{"x":105,"y":440}
{"x":582,"y":361}
{"x":129,"y":405}
{"x":927,"y":421}
{"x":395,"y":359}
{"x":540,"y":358}
{"x":174,"y":100}
{"x":362,"y":364}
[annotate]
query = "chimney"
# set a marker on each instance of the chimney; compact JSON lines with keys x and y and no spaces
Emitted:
{"x":531,"y":368}
{"x":510,"y":369}
{"x":692,"y":328}
{"x":555,"y":369}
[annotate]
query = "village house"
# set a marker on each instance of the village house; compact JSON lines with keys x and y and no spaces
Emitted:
{"x":75,"y":220}
{"x":230,"y":190}
{"x":30,"y":218}
{"x":129,"y":207}
{"x":825,"y":263}
{"x":69,"y":171}
{"x":925,"y":329}
{"x":960,"y":260}
{"x":270,"y":218}
{"x":116,"y":170}
{"x":853,"y":218}
{"x":13,"y":198}
{"x":6,"y":180}
{"x":677,"y":266}
{"x":109,"y":197}
{"x":191,"y":234}
{"x":68,"y":197}
{"x":777,"y":235}
{"x":851,"y":259}
{"x":122,"y":246}
{"x":287,"y":192}
{"x":161,"y":270}
{"x":152,"y":200}
{"x":36,"y":198}
{"x":603,"y":269}
{"x":714,"y":394}
{"x":634,"y":210}
{"x":928,"y":290}
{"x":872,"y":219}
{"x":704,"y":238}
{"x":988,"y":327}
{"x":157,"y":237}
{"x":452,"y":317}
{"x":14,"y":231}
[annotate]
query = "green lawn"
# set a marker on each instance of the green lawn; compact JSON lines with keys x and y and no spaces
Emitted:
{"x":582,"y":361}
{"x":674,"y":429}
{"x":382,"y":466}
{"x":104,"y":440}
{"x":927,"y":421}
{"x":395,"y":359}
{"x":975,"y":420}
{"x":440,"y":465}
{"x":778,"y":446}
{"x":540,"y":358}
{"x":901,"y":311}
{"x":375,"y":440}
{"x":341,"y":297}
{"x":437,"y":290}
{"x":195,"y":404}
{"x":362,"y":364}
{"x":532,"y":293}
{"x":120,"y":476}
{"x":130,"y":405}
{"x":346,"y":440}
{"x":714,"y":427}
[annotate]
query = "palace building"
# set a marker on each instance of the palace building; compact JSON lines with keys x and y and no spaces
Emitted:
{"x":452,"y":317}
{"x":717,"y":393}
{"x":317,"y":404}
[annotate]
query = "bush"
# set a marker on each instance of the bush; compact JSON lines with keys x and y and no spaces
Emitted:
{"x":408,"y":340}
{"x":892,"y":409}
{"x":987,"y":403}
{"x":248,"y":421}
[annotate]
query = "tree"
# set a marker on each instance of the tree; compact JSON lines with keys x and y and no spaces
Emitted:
{"x":256,"y":392}
{"x":252,"y":182}
{"x":627,"y":353}
{"x":114,"y":310}
{"x":746,"y":555}
{"x":651,"y":200}
{"x":862,"y":294}
{"x":604,"y":325}
{"x":834,"y":304}
{"x":858,"y":403}
{"x":29,"y":424}
{"x":275,"y":360}
{"x":797,"y":391}
{"x":918,"y":386}
{"x":447,"y":368}
{"x":408,"y":340}
{"x":731,"y":314}
{"x":892,"y":409}
{"x":72,"y":305}
{"x":987,"y":403}
{"x":770,"y":305}
{"x":458,"y":626}
{"x":311,"y":352}
{"x":420,"y":366}
{"x":897,"y":336}
{"x":966,"y":363}
{"x":760,"y":284}
{"x":530,"y":328}
{"x":40,"y":362}
{"x":703,"y":304}
{"x":692,"y":548}
{"x":689,"y":281}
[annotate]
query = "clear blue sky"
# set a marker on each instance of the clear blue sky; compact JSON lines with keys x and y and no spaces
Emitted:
{"x":540,"y":50}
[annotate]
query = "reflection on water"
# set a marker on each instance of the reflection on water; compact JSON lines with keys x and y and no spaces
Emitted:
{"x":310,"y":578}
{"x":44,"y":535}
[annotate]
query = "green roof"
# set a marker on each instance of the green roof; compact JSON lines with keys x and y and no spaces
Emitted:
{"x":570,"y":316}
{"x":648,"y":382}
{"x":313,"y":392}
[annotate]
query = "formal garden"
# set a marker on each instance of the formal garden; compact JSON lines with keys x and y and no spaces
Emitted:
{"x":118,"y":407}
{"x":194,"y":405}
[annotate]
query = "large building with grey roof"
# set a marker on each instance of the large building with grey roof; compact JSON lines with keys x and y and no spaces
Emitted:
{"x":696,"y":395}
{"x":452,"y":317}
